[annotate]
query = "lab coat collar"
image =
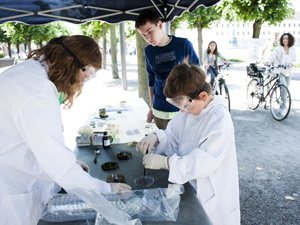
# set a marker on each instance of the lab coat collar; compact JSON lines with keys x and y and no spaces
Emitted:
{"x":218,"y":100}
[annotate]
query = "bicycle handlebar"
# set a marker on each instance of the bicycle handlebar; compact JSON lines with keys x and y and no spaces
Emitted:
{"x":279,"y":66}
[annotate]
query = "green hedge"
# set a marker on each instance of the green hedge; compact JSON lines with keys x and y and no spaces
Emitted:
{"x":1,"y":54}
{"x":236,"y":60}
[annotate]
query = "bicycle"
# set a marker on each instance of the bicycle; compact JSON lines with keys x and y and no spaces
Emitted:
{"x":219,"y":87}
{"x":280,"y":97}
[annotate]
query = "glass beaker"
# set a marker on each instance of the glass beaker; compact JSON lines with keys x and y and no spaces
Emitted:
{"x":148,"y":129}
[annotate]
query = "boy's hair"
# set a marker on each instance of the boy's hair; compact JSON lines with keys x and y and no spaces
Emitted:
{"x":185,"y":79}
{"x":146,"y":16}
{"x":216,"y":49}
{"x":291,"y":40}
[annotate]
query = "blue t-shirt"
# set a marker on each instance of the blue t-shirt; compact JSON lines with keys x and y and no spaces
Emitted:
{"x":159,"y":63}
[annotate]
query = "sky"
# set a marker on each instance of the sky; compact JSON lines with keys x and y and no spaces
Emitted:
{"x":296,"y":4}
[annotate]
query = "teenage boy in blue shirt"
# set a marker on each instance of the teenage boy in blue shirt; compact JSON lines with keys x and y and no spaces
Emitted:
{"x":163,"y":53}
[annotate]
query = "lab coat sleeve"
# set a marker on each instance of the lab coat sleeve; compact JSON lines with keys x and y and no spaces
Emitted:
{"x":203,"y":161}
{"x":168,"y":138}
{"x":39,"y":122}
{"x":274,"y":56}
{"x":293,"y":56}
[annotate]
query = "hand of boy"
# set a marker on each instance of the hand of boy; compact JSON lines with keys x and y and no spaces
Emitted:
{"x":156,"y":162}
{"x":146,"y":143}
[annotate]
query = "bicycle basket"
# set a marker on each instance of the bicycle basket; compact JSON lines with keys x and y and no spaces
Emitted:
{"x":252,"y":70}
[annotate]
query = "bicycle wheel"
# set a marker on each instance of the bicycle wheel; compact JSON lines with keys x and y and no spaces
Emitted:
{"x":280,"y":102}
{"x":224,"y":92}
{"x":253,"y":94}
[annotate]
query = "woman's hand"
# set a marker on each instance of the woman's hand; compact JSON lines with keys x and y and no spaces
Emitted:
{"x":207,"y":67}
{"x":83,"y":166}
{"x":290,"y":65}
{"x":267,"y":64}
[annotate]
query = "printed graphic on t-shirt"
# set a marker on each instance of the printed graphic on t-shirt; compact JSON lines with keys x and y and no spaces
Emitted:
{"x":211,"y":60}
{"x":164,"y":64}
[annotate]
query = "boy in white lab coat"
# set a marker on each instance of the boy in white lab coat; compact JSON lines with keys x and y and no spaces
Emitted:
{"x":199,"y":144}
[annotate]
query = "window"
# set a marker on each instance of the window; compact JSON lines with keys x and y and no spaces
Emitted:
{"x":227,"y":25}
{"x":227,"y":32}
{"x":263,"y":33}
{"x":289,"y":25}
{"x":243,"y":33}
{"x":294,"y":25}
{"x":222,"y":24}
{"x":233,"y":25}
{"x":284,"y":25}
{"x":238,"y":33}
{"x":216,"y":25}
{"x":248,"y":33}
{"x":278,"y":25}
{"x":217,"y":33}
{"x":248,"y":25}
{"x":294,"y":32}
{"x":298,"y":32}
{"x":222,"y":33}
{"x":243,"y":25}
{"x":238,"y":25}
{"x":269,"y":33}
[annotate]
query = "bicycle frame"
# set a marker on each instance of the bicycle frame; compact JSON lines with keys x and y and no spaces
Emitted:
{"x":272,"y":87}
{"x":219,"y":79}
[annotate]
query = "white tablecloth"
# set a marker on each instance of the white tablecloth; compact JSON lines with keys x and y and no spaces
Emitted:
{"x":131,"y":118}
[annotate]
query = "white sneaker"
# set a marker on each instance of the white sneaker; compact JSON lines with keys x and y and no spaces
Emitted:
{"x":283,"y":111}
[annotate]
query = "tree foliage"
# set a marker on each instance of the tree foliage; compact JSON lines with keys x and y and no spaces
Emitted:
{"x":201,"y":18}
{"x":257,"y":11}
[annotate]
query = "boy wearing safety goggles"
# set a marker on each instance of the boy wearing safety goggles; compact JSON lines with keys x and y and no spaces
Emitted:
{"x":198,"y":143}
{"x":161,"y":55}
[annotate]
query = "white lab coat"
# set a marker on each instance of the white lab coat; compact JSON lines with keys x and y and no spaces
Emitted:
{"x":33,"y":157}
{"x":279,"y":57}
{"x":202,"y":152}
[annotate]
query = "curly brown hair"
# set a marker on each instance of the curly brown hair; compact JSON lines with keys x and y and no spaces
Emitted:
{"x":291,"y":40}
{"x":63,"y":69}
{"x":185,"y":79}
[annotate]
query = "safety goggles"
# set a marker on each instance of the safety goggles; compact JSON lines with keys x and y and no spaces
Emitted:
{"x":88,"y":71}
{"x":184,"y":102}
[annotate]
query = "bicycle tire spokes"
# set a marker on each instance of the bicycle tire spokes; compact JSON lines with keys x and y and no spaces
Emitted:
{"x":280,"y":102}
{"x":253,"y":95}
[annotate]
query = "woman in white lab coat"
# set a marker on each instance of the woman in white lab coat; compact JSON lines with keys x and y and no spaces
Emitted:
{"x":284,"y":55}
{"x":33,"y":157}
{"x":199,"y":145}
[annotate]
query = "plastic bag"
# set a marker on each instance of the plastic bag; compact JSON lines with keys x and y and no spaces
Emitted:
{"x":158,"y":204}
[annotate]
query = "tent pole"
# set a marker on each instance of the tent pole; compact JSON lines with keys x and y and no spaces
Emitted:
{"x":123,"y":55}
{"x":166,"y":27}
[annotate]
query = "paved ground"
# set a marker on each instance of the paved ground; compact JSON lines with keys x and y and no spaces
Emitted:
{"x":267,"y":150}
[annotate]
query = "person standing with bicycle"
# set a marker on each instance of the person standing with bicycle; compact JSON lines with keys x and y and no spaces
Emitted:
{"x":284,"y":55}
{"x":210,"y":61}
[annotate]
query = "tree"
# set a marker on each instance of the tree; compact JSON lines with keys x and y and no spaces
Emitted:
{"x":175,"y":24}
{"x":259,"y":11}
{"x":4,"y":38}
{"x":113,"y":44}
{"x":201,"y":18}
{"x":104,"y":46}
{"x":141,"y":44}
{"x":46,"y":32}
